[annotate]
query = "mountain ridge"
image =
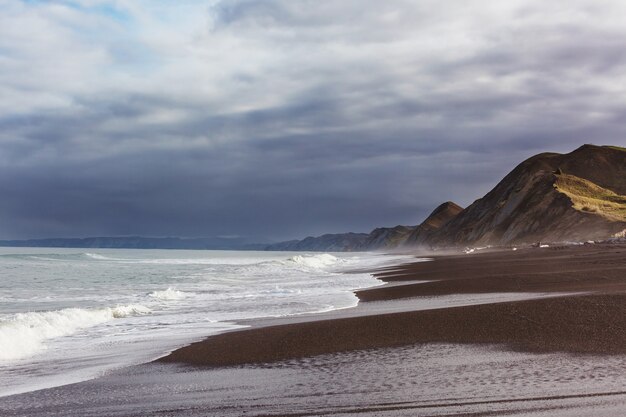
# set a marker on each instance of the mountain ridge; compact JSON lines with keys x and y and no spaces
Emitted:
{"x":576,"y":196}
{"x":525,"y":206}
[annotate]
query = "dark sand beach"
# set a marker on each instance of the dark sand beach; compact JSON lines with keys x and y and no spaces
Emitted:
{"x":557,"y":350}
{"x":591,"y":319}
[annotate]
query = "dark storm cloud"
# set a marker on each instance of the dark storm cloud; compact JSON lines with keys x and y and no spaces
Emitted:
{"x":288,"y":118}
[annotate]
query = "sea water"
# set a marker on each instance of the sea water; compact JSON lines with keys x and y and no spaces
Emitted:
{"x":68,"y":315}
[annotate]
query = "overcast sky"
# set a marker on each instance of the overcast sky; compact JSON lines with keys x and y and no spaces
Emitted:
{"x":286,"y":118}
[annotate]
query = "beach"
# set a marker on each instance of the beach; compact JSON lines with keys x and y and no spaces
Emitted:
{"x":588,"y":316}
{"x":536,"y":331}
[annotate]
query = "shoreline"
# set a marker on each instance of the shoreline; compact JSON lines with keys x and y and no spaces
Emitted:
{"x":590,"y":318}
{"x":548,"y":354}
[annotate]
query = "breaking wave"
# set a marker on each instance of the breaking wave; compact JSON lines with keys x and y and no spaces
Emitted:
{"x":24,"y":334}
{"x":315,"y":261}
{"x":170,"y":294}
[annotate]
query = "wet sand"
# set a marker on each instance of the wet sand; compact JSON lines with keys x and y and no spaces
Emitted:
{"x":415,"y":380}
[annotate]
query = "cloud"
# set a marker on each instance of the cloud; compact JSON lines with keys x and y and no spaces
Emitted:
{"x":284,"y":118}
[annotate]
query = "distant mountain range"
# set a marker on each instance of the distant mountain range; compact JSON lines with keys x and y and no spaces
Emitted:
{"x":550,"y":197}
{"x":138,"y":242}
{"x":382,"y":238}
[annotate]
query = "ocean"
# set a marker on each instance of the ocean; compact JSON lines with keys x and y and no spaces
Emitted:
{"x":68,"y":316}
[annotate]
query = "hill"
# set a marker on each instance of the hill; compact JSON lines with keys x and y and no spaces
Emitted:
{"x":423,"y":233}
{"x":340,"y":242}
{"x":382,"y":238}
{"x":549,"y":197}
{"x":554,"y":197}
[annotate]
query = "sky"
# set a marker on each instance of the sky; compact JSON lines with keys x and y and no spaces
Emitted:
{"x":279,"y":119}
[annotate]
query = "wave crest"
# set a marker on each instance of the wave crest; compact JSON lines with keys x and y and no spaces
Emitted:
{"x":24,"y":334}
{"x":315,"y":261}
{"x":170,"y":294}
{"x":120,"y":312}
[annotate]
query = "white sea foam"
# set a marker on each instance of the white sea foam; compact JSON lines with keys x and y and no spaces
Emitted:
{"x":279,"y":291}
{"x":315,"y":261}
{"x":24,"y":334}
{"x":170,"y":294}
{"x":120,"y":312}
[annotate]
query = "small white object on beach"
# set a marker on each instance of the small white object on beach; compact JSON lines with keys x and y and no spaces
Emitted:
{"x":544,"y":246}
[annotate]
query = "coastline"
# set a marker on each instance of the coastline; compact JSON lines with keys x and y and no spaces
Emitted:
{"x":587,"y":313}
{"x":540,"y":352}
